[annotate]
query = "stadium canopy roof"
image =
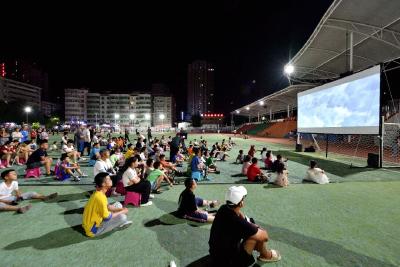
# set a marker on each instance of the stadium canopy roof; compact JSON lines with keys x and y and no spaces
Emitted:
{"x":375,"y":29}
{"x":276,"y":102}
{"x":373,"y":26}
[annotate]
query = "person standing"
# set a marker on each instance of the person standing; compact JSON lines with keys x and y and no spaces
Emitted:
{"x":149,"y":136}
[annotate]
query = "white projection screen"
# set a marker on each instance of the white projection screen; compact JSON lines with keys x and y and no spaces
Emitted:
{"x":347,"y":106}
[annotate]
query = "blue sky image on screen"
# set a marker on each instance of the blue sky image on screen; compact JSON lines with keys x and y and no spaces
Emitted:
{"x":352,"y":104}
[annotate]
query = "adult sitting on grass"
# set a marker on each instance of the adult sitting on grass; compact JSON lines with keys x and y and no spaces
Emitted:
{"x":99,"y":217}
{"x":189,"y":203}
{"x":133,"y":183}
{"x":10,"y":194}
{"x":234,"y":237}
{"x":254,"y":173}
{"x":40,"y":158}
{"x":156,"y":176}
{"x":315,"y":174}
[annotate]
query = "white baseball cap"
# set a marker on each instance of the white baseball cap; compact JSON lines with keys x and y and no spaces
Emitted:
{"x":235,"y":194}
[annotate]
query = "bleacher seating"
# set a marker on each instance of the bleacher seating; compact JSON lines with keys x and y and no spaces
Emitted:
{"x":245,"y":128}
{"x":257,"y":128}
{"x":279,"y":129}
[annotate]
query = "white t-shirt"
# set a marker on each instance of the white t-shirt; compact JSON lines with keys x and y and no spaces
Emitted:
{"x":102,"y":166}
{"x":67,"y":149}
{"x":16,"y":136}
{"x":317,"y":175}
{"x":128,"y":175}
{"x":7,"y":191}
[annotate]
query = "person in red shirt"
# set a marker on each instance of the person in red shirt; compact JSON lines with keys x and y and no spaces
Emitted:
{"x":252,"y":151}
{"x":254,"y":173}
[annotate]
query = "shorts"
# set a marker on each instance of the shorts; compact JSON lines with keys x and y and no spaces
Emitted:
{"x":25,"y":196}
{"x":197,"y":176}
{"x":34,"y":165}
{"x":240,"y":258}
{"x":196,"y":217}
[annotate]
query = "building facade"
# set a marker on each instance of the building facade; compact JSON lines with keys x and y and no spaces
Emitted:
{"x":49,"y":108}
{"x":122,"y":109}
{"x":11,"y":90}
{"x":163,"y":111}
{"x":75,"y":104}
{"x":200,"y":87}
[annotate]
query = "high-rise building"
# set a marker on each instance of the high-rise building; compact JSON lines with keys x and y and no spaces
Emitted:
{"x":26,"y":72}
{"x":11,"y":90}
{"x":75,"y":104}
{"x":200,"y":87}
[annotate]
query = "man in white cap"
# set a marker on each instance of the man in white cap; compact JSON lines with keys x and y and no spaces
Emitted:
{"x":233,"y":237}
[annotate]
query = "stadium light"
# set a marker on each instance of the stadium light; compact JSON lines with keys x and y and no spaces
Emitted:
{"x":247,"y":108}
{"x":237,"y":111}
{"x":116,"y":116}
{"x":27,"y":111}
{"x":132,"y":116}
{"x":261,"y":103}
{"x":289,"y":69}
{"x":162,"y":116}
{"x":147,"y":116}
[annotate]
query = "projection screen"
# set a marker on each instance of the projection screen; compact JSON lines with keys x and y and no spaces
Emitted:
{"x":347,"y":106}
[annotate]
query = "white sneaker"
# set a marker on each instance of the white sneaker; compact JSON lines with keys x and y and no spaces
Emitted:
{"x":149,"y":203}
{"x":84,"y":175}
{"x":151,"y":196}
{"x":77,"y":179}
{"x":125,"y":225}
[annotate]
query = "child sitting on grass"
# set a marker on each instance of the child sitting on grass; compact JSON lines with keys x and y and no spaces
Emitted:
{"x":210,"y":165}
{"x":99,"y":217}
{"x":282,"y":175}
{"x":246,"y":164}
{"x":157,"y":176}
{"x":8,"y":201}
{"x":66,"y":169}
{"x":240,"y":157}
{"x":315,"y":174}
{"x":189,"y":203}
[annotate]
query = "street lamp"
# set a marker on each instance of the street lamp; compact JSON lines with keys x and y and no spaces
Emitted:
{"x":162,"y":117}
{"x":27,"y":111}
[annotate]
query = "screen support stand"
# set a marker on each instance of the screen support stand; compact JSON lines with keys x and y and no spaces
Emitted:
{"x":326,"y":146}
{"x":381,"y":131}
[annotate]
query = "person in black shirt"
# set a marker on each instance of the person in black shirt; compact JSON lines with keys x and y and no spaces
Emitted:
{"x":39,"y":158}
{"x":189,"y":203}
{"x":234,"y":237}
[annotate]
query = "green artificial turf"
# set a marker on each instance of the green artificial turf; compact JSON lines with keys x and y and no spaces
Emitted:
{"x":353,"y":222}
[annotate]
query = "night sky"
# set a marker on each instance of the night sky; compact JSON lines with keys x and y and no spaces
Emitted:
{"x":121,"y":47}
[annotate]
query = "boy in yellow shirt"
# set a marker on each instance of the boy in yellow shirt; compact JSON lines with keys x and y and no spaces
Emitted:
{"x":98,"y":216}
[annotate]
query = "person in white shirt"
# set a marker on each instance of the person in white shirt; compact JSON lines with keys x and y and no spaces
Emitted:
{"x":70,"y":150}
{"x":133,"y":183}
{"x":87,"y":140}
{"x":103,"y":164}
{"x":10,"y":194}
{"x":44,"y":135}
{"x":16,"y":135}
{"x":316,"y":175}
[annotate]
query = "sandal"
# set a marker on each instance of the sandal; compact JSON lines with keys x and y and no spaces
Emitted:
{"x":275,"y":256}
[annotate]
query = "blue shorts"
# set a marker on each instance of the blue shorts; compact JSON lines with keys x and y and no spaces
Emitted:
{"x":196,"y":217}
{"x":197,"y":176}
